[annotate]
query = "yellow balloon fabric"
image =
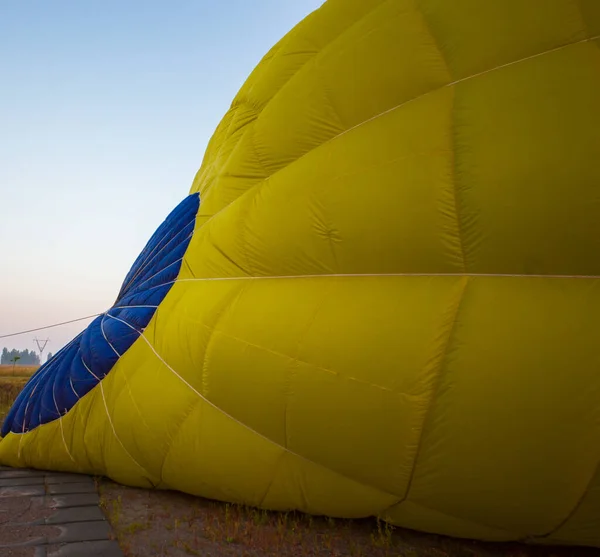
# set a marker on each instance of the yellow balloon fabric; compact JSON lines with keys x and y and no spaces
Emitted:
{"x":389,"y":304}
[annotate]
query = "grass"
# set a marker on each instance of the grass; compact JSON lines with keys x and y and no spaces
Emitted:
{"x":11,"y":383}
{"x":8,"y":370}
{"x":169,"y":524}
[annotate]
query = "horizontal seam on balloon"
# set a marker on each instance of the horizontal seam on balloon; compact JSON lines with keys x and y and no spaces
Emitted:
{"x":133,"y":307}
{"x":461,"y":80}
{"x":338,"y":374}
{"x":245,"y":426}
{"x":372,"y":275}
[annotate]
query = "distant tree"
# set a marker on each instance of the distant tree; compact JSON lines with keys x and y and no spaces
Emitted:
{"x":14,"y":361}
{"x":24,"y":357}
{"x":49,"y":356}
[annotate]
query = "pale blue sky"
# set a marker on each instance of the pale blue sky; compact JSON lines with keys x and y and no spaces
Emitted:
{"x":105,"y":111}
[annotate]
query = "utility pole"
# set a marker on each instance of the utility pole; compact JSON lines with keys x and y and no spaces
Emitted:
{"x":41,"y":344}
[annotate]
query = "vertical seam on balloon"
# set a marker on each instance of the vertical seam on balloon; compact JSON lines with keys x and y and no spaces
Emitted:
{"x":242,"y":424}
{"x":124,"y":375}
{"x":62,"y":431}
{"x":73,"y":388}
{"x":455,"y":187}
{"x":23,"y":427}
{"x":225,"y":308}
{"x":195,"y":403}
{"x":296,"y":359}
{"x":208,"y":238}
{"x":579,"y":9}
{"x":575,"y":508}
{"x":86,"y":367}
{"x":226,"y":136}
{"x":148,"y":475}
{"x":452,"y":135}
{"x":272,"y":479}
{"x":435,"y":388}
{"x":243,"y":220}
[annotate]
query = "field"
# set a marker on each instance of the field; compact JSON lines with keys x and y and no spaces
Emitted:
{"x":169,"y":524}
{"x":12,"y":380}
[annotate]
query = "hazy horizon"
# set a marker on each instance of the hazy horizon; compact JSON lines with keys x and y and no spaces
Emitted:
{"x":105,"y":115}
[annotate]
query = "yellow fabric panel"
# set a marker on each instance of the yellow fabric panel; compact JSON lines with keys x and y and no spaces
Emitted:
{"x":518,"y":155}
{"x":295,"y":222}
{"x":582,"y":523}
{"x":418,"y":517}
{"x":285,"y":59}
{"x":516,"y":417}
{"x":363,"y":323}
{"x":590,"y":11}
{"x":478,"y":36}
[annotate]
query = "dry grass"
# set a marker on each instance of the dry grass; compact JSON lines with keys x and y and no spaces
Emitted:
{"x":11,"y":383}
{"x":169,"y":524}
{"x":9,"y":370}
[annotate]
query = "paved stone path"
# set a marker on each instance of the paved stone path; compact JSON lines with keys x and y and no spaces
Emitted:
{"x":49,"y":514}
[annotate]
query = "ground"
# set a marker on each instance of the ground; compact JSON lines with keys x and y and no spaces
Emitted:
{"x":170,"y":524}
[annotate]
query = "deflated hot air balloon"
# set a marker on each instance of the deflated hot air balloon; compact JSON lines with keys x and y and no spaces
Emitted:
{"x":382,"y":294}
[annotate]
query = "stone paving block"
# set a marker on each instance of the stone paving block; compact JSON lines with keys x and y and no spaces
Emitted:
{"x":82,"y":532}
{"x":79,"y":487}
{"x":74,"y":500}
{"x":76,"y":514}
{"x":87,"y":549}
{"x":23,"y":491}
{"x":24,"y":473}
{"x":24,"y":480}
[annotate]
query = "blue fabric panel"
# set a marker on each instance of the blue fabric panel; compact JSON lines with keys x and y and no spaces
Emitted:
{"x":76,"y":369}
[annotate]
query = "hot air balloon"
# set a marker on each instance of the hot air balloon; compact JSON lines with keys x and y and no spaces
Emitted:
{"x":380,"y":296}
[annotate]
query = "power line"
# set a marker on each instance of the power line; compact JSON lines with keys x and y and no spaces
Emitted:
{"x":50,"y":326}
